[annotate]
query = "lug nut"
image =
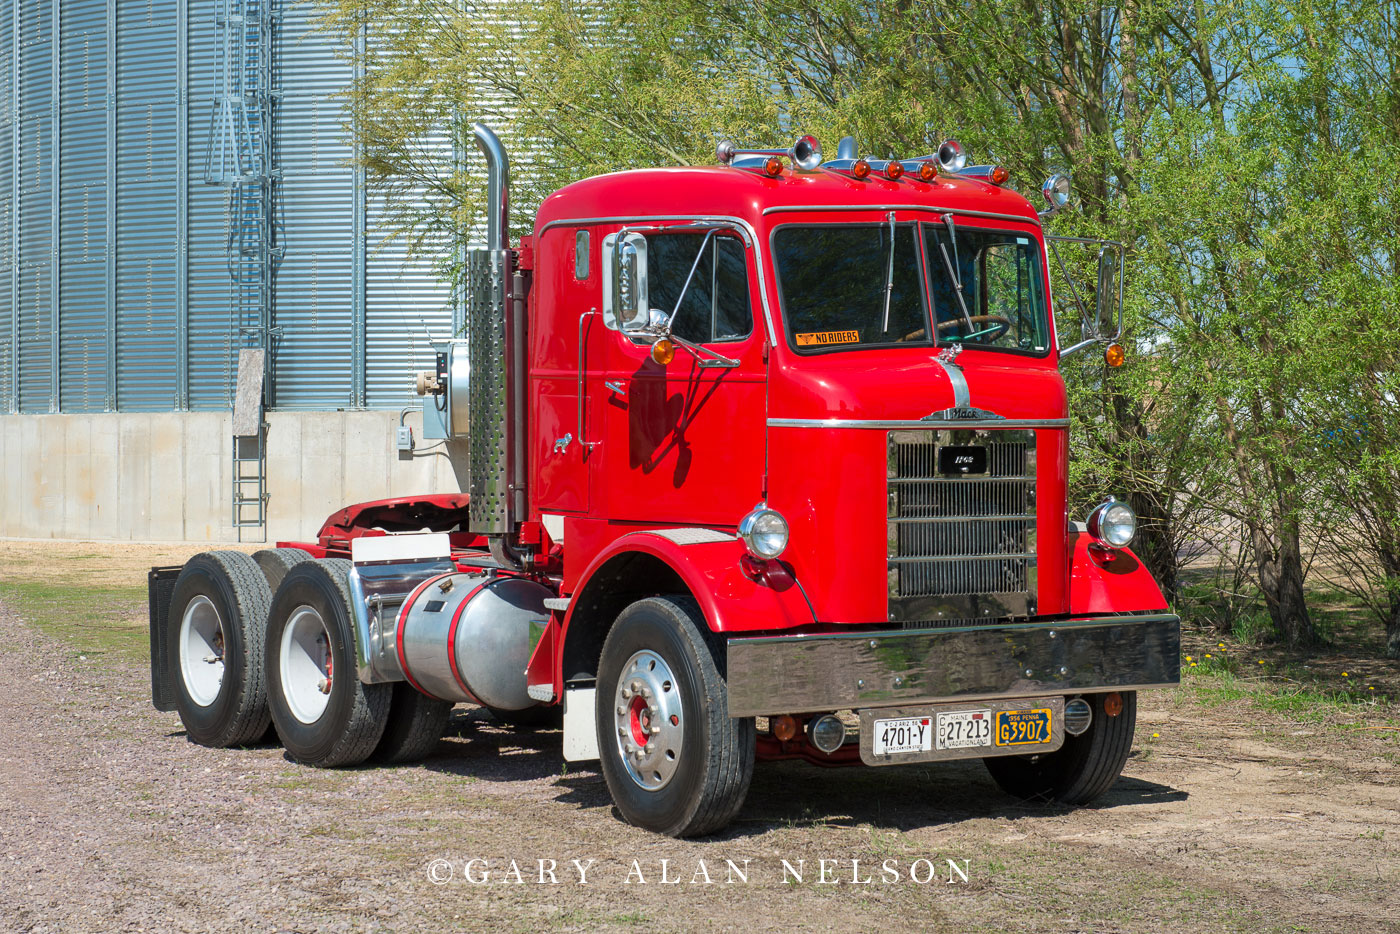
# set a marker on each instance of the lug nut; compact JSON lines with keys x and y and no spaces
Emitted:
{"x":655,"y":730}
{"x":621,"y":710}
{"x":626,"y":695}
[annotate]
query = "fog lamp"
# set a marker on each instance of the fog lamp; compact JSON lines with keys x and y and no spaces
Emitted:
{"x":764,"y":532}
{"x":1078,"y":716}
{"x":1113,"y":523}
{"x":826,"y":733}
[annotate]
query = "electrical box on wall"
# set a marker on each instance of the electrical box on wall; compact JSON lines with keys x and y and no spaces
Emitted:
{"x":444,"y":392}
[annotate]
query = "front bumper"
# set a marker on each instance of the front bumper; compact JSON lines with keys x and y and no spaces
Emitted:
{"x":771,"y":675}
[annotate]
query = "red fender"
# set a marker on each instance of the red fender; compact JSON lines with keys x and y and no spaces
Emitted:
{"x":1106,"y":581}
{"x":735,"y":592}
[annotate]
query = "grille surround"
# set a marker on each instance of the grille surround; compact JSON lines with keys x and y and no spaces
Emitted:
{"x":961,"y":548}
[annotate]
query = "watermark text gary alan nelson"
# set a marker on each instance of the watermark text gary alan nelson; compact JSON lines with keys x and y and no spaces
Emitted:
{"x":484,"y":871}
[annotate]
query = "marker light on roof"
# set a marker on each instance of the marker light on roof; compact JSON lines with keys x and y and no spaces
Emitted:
{"x":893,"y":170}
{"x":927,"y":171}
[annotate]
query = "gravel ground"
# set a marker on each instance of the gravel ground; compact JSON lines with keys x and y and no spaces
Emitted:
{"x":110,"y":820}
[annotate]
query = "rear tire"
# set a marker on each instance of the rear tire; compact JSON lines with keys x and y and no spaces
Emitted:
{"x":662,"y":692}
{"x":276,"y":562}
{"x":416,"y":724}
{"x":1083,"y":768}
{"x":324,"y":714}
{"x":216,"y":649}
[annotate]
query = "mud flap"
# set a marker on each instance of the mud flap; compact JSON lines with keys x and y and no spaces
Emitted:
{"x":160,"y":586}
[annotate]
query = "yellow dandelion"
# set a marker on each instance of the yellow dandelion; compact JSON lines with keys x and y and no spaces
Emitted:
{"x":1188,"y":658}
{"x":1220,"y":645}
{"x":1208,"y":655}
{"x":1371,"y":687}
{"x":1345,"y":675}
{"x":1193,"y":664}
{"x":1156,"y":735}
{"x":1261,"y":661}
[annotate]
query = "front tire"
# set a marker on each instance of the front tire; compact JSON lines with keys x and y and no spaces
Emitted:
{"x":324,"y":714}
{"x":221,"y":602}
{"x":674,"y":760}
{"x":1083,"y":768}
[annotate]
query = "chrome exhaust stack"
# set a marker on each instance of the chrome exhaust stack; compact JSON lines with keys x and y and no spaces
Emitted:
{"x":478,"y":390}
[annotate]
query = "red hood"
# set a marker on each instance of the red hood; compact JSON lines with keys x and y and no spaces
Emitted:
{"x":910,"y":384}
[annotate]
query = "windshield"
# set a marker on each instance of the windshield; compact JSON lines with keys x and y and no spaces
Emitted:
{"x":844,"y":287}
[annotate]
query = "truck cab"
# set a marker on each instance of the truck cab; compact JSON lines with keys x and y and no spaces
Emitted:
{"x":768,"y":460}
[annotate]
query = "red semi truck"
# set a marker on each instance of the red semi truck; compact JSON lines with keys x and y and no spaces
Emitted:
{"x":767,"y":460}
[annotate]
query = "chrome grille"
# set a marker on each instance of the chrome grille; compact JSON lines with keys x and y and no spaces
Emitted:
{"x":961,"y":547}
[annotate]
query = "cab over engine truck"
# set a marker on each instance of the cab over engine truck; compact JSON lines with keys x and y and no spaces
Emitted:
{"x":767,"y":460}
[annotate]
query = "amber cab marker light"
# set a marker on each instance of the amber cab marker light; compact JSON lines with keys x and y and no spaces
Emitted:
{"x":785,"y":728}
{"x":1000,"y":174}
{"x":773,"y":167}
{"x":928,"y":171}
{"x":860,"y":169}
{"x":1113,"y":704}
{"x":1114,"y":354}
{"x":893,"y":170}
{"x":663,"y":351}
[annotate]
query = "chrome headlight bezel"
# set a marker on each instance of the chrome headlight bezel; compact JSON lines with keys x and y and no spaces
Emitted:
{"x":1112,"y":513}
{"x":757,"y":528}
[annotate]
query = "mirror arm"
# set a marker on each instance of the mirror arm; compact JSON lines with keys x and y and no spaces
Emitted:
{"x":1075,"y":348}
{"x":718,"y":359}
{"x":689,"y":278}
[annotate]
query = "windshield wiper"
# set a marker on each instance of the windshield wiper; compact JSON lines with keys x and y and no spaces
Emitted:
{"x":951,"y":266}
{"x":889,"y":281}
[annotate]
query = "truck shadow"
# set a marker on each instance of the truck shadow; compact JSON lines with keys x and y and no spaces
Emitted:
{"x":896,"y":797}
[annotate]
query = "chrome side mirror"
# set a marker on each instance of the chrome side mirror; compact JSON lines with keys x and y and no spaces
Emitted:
{"x":1108,"y":297}
{"x":625,"y":294}
{"x":1056,"y":194}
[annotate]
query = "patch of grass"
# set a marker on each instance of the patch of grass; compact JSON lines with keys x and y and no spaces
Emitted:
{"x":1217,"y":681}
{"x":95,"y":621}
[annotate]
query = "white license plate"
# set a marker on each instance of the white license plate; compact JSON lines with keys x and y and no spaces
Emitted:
{"x":964,"y":728}
{"x":903,"y":734}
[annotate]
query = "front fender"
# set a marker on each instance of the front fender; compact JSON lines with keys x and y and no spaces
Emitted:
{"x":735,"y":592}
{"x":1104,"y":581}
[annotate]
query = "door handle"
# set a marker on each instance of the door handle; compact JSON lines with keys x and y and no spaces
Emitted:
{"x":617,"y":386}
{"x":582,"y":438}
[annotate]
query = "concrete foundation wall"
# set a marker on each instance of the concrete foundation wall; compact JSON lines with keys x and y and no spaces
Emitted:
{"x":167,"y":476}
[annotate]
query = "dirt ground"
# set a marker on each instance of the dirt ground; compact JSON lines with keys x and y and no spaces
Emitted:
{"x":1229,"y":818}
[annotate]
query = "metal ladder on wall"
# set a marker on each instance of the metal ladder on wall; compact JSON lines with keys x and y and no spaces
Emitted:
{"x":242,"y":157}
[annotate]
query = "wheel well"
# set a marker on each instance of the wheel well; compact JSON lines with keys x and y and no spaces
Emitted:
{"x":622,"y":581}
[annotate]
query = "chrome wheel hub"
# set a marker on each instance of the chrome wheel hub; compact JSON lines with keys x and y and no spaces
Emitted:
{"x":649,"y":721}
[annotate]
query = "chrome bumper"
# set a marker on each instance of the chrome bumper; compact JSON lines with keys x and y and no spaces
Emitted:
{"x":806,"y":673}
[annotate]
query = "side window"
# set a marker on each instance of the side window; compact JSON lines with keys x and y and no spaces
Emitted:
{"x":715,"y":307}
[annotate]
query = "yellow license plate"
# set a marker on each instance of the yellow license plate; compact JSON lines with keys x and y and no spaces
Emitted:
{"x":1023,"y":727}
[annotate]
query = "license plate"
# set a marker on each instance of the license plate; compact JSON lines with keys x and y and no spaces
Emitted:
{"x":964,"y":728}
{"x":904,"y":734}
{"x":1023,"y":727}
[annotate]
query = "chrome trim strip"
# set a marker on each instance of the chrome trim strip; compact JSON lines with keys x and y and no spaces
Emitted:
{"x":910,"y":424}
{"x":804,"y":673}
{"x":962,"y":397}
{"x":876,"y":208}
{"x":744,"y":227}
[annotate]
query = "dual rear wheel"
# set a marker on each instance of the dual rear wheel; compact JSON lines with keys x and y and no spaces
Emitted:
{"x":269,"y":639}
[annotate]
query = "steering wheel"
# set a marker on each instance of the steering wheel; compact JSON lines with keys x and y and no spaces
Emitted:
{"x":987,"y":326}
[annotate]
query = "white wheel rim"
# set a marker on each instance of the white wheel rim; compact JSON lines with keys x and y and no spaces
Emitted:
{"x":649,"y":720}
{"x":306,"y":664}
{"x":202,"y":646}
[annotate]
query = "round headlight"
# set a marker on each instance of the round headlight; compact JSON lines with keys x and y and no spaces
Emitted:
{"x":765,"y":532}
{"x":1113,"y":523}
